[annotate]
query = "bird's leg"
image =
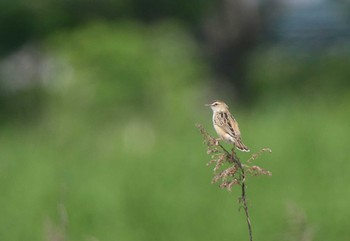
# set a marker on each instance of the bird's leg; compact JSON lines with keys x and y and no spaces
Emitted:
{"x":217,"y":141}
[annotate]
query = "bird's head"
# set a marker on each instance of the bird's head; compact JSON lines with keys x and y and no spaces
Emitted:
{"x":218,"y":106}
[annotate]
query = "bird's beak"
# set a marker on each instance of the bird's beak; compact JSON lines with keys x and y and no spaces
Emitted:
{"x":207,"y":105}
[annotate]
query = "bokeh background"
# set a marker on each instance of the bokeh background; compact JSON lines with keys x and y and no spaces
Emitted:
{"x":98,"y":105}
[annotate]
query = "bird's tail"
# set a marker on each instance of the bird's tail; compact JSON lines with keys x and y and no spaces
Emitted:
{"x":240,"y":146}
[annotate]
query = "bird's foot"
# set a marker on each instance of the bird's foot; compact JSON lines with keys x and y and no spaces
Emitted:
{"x":217,"y":141}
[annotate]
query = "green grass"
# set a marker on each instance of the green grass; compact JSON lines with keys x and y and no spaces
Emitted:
{"x":113,"y":190}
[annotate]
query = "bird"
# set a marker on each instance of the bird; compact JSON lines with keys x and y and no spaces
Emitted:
{"x":226,"y":125}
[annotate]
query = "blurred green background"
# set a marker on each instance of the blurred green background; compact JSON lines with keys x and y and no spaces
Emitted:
{"x":98,"y":105}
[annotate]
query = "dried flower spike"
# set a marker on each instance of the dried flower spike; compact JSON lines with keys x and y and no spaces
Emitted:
{"x":234,"y":174}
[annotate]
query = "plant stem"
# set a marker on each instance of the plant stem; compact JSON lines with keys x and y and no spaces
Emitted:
{"x":235,"y":159}
{"x":245,"y":206}
{"x":243,"y":198}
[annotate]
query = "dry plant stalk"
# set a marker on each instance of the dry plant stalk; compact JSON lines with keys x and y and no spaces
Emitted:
{"x":298,"y":227}
{"x":57,"y":232}
{"x":235,"y":174}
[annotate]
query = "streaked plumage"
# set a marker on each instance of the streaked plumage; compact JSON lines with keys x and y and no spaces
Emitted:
{"x":226,"y":126}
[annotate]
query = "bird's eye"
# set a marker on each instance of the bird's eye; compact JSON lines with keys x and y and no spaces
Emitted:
{"x":214,"y":104}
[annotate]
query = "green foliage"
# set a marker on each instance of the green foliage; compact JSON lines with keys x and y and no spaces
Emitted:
{"x":117,"y":147}
{"x":125,"y":67}
{"x":278,"y":73}
{"x":21,"y":21}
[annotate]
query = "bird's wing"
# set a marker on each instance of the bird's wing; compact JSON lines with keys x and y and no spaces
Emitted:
{"x":228,"y":123}
{"x":234,"y":125}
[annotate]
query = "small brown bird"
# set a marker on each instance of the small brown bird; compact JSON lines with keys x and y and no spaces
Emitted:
{"x":225,"y":125}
